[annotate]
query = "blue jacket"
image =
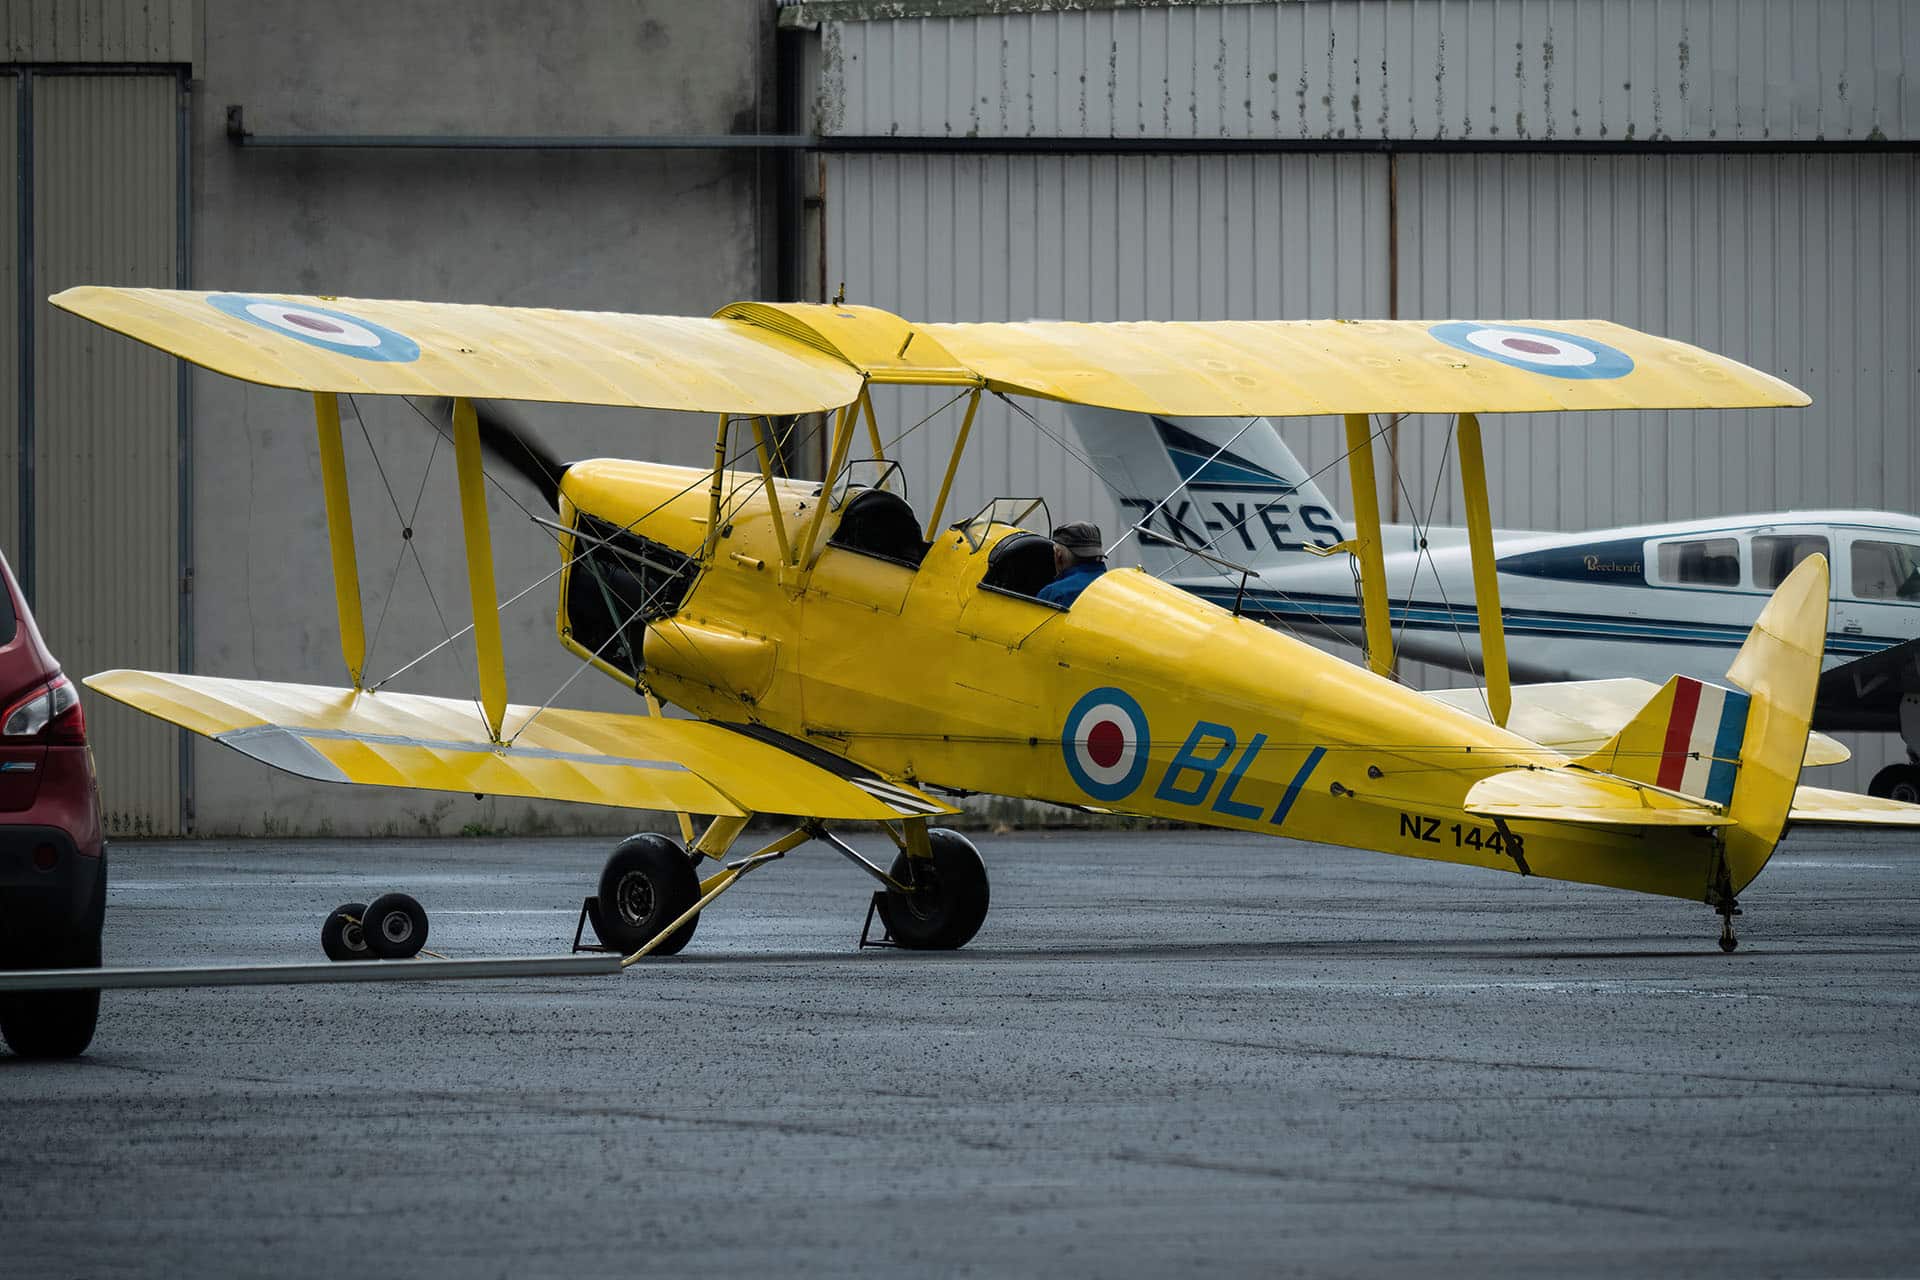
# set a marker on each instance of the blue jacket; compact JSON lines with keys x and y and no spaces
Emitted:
{"x":1066,"y":588}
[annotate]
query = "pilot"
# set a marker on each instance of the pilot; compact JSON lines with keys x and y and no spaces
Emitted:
{"x":1077,"y":560}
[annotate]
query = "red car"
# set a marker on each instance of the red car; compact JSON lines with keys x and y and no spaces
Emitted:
{"x":53,"y":860}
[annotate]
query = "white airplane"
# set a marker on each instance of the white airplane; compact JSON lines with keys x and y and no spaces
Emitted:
{"x":1644,"y":601}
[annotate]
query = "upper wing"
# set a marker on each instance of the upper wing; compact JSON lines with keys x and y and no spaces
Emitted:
{"x":1580,"y":716}
{"x":1871,"y":687}
{"x":1281,"y":368}
{"x":455,"y":349}
{"x":440,"y":744}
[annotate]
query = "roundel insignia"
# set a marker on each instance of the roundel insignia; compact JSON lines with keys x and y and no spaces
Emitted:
{"x":1559,"y":355}
{"x":321,"y":327}
{"x":1106,"y":744}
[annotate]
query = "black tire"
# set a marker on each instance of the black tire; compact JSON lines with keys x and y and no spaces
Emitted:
{"x":395,"y":927}
{"x":950,"y":899}
{"x":341,"y":936}
{"x":645,"y":886}
{"x":54,"y":1024}
{"x":1897,"y":782}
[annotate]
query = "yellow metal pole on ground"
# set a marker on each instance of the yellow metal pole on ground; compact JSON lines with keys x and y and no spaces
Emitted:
{"x":842,"y":441}
{"x":346,"y":565}
{"x":716,"y":885}
{"x":764,"y":447}
{"x":486,"y":610}
{"x":1486,"y":574}
{"x":953,"y":465}
{"x":1367,"y":542}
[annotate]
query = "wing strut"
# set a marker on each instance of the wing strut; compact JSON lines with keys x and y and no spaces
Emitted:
{"x":953,"y":465}
{"x":1366,"y":545}
{"x":842,"y":440}
{"x":486,"y":610}
{"x":1486,"y":575}
{"x":346,"y":566}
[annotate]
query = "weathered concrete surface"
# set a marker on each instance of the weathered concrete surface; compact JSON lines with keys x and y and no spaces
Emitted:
{"x":1166,"y":1053}
{"x":678,"y":233}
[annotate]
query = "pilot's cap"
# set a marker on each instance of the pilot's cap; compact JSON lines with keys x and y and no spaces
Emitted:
{"x":1081,"y":538}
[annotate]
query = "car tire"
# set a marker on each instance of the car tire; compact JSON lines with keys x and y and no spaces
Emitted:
{"x":54,"y":1024}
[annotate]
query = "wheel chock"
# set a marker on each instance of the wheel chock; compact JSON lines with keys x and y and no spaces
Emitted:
{"x":866,"y":930}
{"x":590,"y":910}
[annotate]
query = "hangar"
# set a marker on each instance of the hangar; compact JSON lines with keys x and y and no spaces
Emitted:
{"x":1739,"y":176}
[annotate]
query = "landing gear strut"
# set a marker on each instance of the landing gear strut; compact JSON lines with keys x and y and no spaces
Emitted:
{"x":1728,"y":909}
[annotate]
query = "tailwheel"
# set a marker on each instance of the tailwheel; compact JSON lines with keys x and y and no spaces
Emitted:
{"x":342,"y":938}
{"x":394,"y":927}
{"x":1727,"y":912}
{"x":949,"y":896}
{"x":647,"y":884}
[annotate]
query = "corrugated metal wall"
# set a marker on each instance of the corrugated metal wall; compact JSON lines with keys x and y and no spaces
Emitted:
{"x":122,"y":31}
{"x":107,"y":564}
{"x":1347,"y":69}
{"x":1803,"y":264}
{"x":1097,"y":238}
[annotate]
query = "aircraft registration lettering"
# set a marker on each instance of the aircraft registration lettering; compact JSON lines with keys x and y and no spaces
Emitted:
{"x":1184,"y":522}
{"x":1422,"y":828}
{"x":1102,"y":741}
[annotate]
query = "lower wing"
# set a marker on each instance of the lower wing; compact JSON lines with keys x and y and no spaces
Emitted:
{"x":441,"y":744}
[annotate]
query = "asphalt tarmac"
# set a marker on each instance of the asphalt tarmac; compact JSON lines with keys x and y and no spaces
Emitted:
{"x":1166,"y":1053}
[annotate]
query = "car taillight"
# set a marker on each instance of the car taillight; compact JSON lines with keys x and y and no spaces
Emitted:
{"x":52,"y":715}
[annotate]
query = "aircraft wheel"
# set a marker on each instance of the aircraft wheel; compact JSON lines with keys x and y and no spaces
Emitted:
{"x":950,"y":899}
{"x":341,"y":936}
{"x":645,"y":886}
{"x":394,"y":927}
{"x":1897,"y":782}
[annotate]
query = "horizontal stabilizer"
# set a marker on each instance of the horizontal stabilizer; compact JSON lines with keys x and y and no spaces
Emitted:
{"x":1579,"y":716}
{"x":1590,"y":799}
{"x":1817,"y":806}
{"x":441,"y":744}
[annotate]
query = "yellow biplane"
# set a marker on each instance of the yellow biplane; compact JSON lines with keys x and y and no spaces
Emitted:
{"x":847,"y":658}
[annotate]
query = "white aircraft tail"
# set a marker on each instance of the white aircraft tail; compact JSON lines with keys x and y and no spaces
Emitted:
{"x":1236,"y":489}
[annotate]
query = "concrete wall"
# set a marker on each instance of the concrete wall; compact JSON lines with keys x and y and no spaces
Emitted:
{"x":630,"y":231}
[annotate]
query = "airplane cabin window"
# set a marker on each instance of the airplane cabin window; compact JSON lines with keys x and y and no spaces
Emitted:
{"x":1886,"y":570}
{"x":1708,"y":562}
{"x":1775,"y":555}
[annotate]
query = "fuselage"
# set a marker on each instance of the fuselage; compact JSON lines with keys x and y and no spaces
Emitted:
{"x":1648,"y":600}
{"x":1142,"y":698}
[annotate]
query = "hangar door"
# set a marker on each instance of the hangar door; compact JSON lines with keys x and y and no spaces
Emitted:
{"x":90,"y":423}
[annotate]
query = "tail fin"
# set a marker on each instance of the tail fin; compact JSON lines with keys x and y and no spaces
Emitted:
{"x":1740,"y":751}
{"x":1237,"y":488}
{"x":1779,"y":666}
{"x":1686,"y":739}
